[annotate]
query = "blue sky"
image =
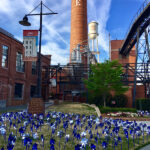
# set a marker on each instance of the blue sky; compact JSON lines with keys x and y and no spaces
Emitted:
{"x":113,"y":16}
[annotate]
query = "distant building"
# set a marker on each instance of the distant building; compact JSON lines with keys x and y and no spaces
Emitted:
{"x":18,"y":79}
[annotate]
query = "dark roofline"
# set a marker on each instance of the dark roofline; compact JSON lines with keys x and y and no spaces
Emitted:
{"x":6,"y":33}
{"x":46,"y":56}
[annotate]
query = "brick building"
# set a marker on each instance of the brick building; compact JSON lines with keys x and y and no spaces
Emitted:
{"x":131,"y":59}
{"x":18,"y":79}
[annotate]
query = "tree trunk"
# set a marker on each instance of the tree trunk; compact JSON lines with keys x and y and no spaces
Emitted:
{"x":104,"y":98}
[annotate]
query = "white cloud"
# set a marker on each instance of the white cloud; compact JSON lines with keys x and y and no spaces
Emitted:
{"x":56,"y":28}
{"x":99,"y":11}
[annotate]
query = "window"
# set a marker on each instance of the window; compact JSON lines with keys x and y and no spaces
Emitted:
{"x":19,"y":62}
{"x":34,"y":67}
{"x":32,"y":91}
{"x":4,"y":56}
{"x":18,"y":90}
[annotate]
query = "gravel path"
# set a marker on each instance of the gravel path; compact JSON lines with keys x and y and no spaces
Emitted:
{"x":146,"y":148}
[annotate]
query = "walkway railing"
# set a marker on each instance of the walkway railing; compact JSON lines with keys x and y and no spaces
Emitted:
{"x":139,"y":12}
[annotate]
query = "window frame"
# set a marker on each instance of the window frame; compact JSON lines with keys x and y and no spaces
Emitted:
{"x":34,"y":94}
{"x":20,"y":64}
{"x":22,"y":91}
{"x":6,"y":55}
{"x":34,"y":70}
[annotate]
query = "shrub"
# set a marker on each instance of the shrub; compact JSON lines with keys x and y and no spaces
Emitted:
{"x":110,"y":109}
{"x":143,"y":104}
{"x":98,"y":100}
{"x":121,"y":100}
{"x":117,"y":101}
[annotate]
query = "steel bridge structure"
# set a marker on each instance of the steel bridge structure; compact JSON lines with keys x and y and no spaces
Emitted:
{"x":138,"y":35}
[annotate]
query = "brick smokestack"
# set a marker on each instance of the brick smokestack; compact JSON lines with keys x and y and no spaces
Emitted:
{"x":79,"y":29}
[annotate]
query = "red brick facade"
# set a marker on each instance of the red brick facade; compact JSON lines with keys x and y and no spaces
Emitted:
{"x":36,"y":106}
{"x":79,"y":27}
{"x":130,"y":58}
{"x":9,"y":76}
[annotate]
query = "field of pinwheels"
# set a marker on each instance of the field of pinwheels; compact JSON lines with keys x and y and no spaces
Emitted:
{"x":66,"y":131}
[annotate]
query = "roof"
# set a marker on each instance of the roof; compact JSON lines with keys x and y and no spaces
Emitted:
{"x":9,"y":35}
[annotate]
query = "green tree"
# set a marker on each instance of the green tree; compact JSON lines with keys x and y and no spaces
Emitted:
{"x":104,"y":78}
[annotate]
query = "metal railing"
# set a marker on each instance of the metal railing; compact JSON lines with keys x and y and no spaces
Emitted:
{"x":136,"y":16}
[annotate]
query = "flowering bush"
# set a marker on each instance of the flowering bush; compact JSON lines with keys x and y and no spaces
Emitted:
{"x":129,"y":114}
{"x":123,"y":114}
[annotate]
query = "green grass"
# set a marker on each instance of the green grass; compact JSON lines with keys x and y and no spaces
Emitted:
{"x":76,"y":108}
{"x":71,"y":108}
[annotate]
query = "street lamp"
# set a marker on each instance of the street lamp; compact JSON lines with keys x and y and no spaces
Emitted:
{"x":25,"y":22}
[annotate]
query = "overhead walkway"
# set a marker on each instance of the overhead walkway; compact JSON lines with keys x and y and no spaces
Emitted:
{"x":141,"y":21}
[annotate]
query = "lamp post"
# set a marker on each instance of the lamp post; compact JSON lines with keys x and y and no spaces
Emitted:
{"x":25,"y":22}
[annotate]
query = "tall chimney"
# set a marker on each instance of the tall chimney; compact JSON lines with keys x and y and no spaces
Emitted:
{"x":79,"y":31}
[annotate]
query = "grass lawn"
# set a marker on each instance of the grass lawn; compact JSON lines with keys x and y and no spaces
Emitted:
{"x":76,"y":108}
{"x":60,"y":142}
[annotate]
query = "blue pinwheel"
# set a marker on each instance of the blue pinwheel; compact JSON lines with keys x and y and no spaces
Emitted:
{"x":78,"y":147}
{"x":42,"y":139}
{"x":34,"y":147}
{"x":104,"y":145}
{"x":21,"y":131}
{"x":52,"y":141}
{"x":93,"y":147}
{"x":10,"y":147}
{"x":52,"y":147}
{"x":84,"y":142}
{"x":35,"y":136}
{"x":83,"y":134}
{"x":27,"y":142}
{"x":78,"y":136}
{"x":11,"y":140}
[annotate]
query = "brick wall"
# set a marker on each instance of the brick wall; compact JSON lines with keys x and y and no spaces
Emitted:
{"x":79,"y":29}
{"x":140,"y":91}
{"x":115,"y":55}
{"x":36,"y":106}
{"x":9,"y":76}
{"x":130,"y":58}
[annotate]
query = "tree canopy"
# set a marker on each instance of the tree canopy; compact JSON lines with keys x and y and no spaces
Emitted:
{"x":105,"y":78}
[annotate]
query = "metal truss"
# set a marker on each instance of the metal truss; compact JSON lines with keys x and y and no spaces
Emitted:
{"x":140,"y":21}
{"x":69,"y":78}
{"x":139,"y":72}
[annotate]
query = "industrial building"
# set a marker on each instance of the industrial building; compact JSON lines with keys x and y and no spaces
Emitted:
{"x":18,"y":79}
{"x":125,"y":60}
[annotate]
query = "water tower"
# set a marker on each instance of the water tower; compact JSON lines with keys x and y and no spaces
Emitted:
{"x":93,"y":38}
